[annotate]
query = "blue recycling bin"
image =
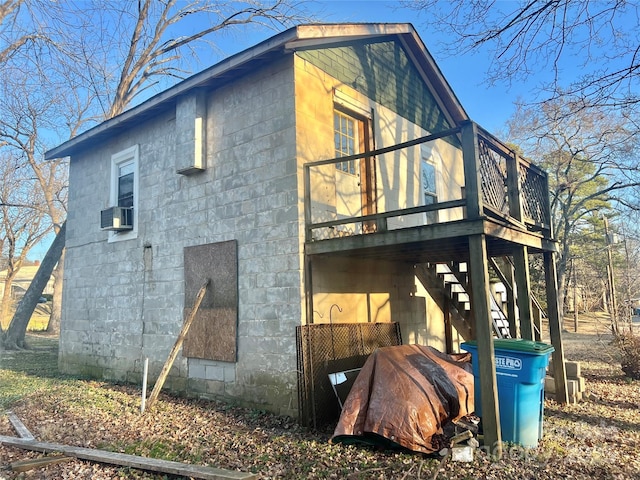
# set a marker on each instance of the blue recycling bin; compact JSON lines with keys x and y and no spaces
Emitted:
{"x":521,"y":367}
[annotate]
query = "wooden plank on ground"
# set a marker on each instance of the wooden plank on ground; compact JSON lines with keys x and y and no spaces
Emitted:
{"x":132,"y":461}
{"x":30,"y":464}
{"x":19,"y":427}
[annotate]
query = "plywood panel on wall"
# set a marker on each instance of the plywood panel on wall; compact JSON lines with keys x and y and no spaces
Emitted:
{"x":213,"y":334}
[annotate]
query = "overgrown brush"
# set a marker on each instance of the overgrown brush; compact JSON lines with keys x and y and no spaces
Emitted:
{"x":629,"y":345}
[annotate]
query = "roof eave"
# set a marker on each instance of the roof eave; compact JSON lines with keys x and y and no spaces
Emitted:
{"x":195,"y":81}
{"x":296,"y":37}
{"x":438,"y":80}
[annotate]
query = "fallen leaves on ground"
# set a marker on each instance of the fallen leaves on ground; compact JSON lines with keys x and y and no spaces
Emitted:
{"x":596,"y":439}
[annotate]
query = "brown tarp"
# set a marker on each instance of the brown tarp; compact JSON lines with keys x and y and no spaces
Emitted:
{"x":406,"y":394}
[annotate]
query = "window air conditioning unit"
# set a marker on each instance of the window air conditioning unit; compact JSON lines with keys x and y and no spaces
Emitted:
{"x":116,"y":218}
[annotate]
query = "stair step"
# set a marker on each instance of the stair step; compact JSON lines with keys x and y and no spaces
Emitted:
{"x":462,"y":297}
{"x":449,"y":278}
{"x":442,"y":268}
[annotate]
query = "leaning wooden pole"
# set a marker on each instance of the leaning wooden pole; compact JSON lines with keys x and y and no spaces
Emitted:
{"x":176,"y":348}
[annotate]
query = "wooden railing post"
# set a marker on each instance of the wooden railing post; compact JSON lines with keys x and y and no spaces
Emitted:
{"x":513,"y":187}
{"x":471,"y":162}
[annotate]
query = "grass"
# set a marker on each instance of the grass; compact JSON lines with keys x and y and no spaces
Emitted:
{"x":596,"y":439}
{"x":25,"y":372}
{"x":38,"y":322}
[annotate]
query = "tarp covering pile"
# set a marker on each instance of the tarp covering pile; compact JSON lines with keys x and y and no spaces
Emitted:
{"x":406,"y":394}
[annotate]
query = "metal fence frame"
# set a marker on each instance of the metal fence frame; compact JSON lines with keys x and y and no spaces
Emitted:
{"x":327,"y":348}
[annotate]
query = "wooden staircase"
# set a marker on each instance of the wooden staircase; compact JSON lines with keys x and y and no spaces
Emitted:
{"x":447,"y":283}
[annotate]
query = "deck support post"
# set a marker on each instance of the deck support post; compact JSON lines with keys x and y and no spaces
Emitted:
{"x":448,"y":329}
{"x":308,"y":288}
{"x":523,"y":286}
{"x":484,"y":335}
{"x":559,"y":371}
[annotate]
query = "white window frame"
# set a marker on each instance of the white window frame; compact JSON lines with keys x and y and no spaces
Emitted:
{"x":130,"y":154}
{"x":349,"y":167}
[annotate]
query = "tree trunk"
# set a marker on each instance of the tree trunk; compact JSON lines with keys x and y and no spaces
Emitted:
{"x":14,"y":337}
{"x":5,"y":302}
{"x":7,"y":293}
{"x":56,"y":308}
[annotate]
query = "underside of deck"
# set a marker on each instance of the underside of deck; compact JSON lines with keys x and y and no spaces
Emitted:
{"x":440,"y":242}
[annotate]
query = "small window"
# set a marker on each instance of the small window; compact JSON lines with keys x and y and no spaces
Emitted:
{"x":346,"y":140}
{"x":124,"y":188}
{"x":429,"y":195}
{"x":125,"y":184}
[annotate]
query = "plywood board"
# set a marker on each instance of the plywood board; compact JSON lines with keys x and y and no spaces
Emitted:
{"x":213,"y":334}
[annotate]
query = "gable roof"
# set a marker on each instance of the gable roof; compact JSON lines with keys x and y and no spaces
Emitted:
{"x":295,"y":38}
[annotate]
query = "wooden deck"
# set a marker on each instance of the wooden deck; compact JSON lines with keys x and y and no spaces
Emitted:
{"x":503,"y":210}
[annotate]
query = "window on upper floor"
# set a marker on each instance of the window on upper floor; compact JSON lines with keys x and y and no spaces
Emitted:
{"x":126,"y":178}
{"x":428,"y":176}
{"x":429,"y":195}
{"x":346,"y":140}
{"x":124,"y":189}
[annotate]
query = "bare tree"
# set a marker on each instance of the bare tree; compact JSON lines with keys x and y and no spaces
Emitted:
{"x":93,"y":60}
{"x":528,"y":37}
{"x":15,"y":335}
{"x":120,"y":50}
{"x":12,"y":36}
{"x":22,"y":228}
{"x":24,"y":115}
{"x":593,"y":169}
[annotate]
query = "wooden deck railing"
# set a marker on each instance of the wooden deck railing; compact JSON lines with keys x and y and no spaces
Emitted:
{"x":497,"y":182}
{"x":513,"y":185}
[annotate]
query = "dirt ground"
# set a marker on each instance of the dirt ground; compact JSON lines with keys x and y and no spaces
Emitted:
{"x":595,"y":439}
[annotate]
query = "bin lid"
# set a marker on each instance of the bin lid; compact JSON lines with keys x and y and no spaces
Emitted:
{"x":516,"y":344}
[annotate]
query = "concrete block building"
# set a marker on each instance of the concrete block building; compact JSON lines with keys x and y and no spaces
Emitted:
{"x":324,"y":180}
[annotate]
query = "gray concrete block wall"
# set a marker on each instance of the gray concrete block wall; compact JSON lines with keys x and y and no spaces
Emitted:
{"x":123,"y":301}
{"x":102,"y":328}
{"x":254,"y":194}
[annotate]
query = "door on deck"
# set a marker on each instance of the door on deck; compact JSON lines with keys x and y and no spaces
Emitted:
{"x":355,"y":179}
